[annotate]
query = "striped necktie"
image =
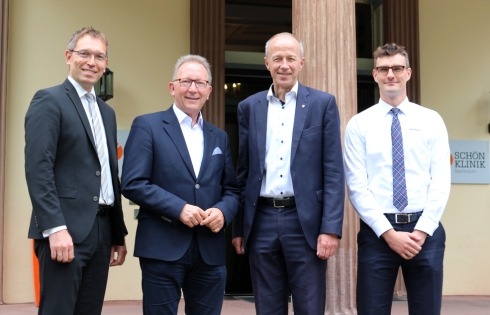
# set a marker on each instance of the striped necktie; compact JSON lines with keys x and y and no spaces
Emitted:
{"x":400,"y":199}
{"x":100,"y":143}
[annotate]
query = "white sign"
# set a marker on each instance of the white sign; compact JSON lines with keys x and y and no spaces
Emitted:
{"x":470,"y":162}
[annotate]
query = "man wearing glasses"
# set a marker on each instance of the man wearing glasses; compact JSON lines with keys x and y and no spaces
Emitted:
{"x":397,"y":164}
{"x":178,"y":169}
{"x":71,"y":171}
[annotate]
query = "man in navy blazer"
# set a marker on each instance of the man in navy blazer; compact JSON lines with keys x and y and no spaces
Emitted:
{"x":290,"y":173}
{"x":78,"y":227}
{"x":178,"y":169}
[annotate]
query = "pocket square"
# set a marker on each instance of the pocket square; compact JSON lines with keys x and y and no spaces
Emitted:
{"x":217,"y":150}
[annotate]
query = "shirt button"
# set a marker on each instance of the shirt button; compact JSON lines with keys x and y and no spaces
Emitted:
{"x":197,"y":186}
{"x":97,"y":173}
{"x":95,"y":198}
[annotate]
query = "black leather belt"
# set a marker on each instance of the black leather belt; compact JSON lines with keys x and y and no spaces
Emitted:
{"x":403,"y":218}
{"x":286,"y":202}
{"x":104,"y":210}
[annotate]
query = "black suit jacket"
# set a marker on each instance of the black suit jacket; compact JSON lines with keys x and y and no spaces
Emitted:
{"x":62,"y":167}
{"x":158,"y":176}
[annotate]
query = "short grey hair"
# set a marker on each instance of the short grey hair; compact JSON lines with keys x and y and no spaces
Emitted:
{"x":192,"y":58}
{"x":300,"y":43}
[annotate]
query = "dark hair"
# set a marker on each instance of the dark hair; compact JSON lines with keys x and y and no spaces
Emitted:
{"x":391,"y":50}
{"x":87,"y":31}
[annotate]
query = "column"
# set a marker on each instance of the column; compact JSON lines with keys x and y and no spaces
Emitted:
{"x":4,"y":24}
{"x":401,"y":26}
{"x":327,"y":29}
{"x":207,"y":37}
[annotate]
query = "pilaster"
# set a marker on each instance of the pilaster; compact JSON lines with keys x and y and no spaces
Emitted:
{"x":327,"y":30}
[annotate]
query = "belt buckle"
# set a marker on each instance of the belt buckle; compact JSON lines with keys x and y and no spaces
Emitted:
{"x":402,"y":218}
{"x":276,"y":206}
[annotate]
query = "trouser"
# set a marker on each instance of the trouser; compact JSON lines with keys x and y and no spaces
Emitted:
{"x":281,"y":261}
{"x":378,"y":267}
{"x":77,"y":287}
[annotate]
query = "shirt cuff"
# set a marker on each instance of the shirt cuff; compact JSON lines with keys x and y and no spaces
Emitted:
{"x":381,"y":226}
{"x":48,"y":232}
{"x":426,"y":225}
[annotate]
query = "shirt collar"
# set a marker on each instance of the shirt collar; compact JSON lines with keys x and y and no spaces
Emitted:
{"x":183,"y":117}
{"x":403,"y":106}
{"x":80,"y":90}
{"x":293,"y":93}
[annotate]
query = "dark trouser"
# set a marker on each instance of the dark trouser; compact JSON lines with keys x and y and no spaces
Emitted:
{"x":77,"y":287}
{"x":281,"y":261}
{"x":203,"y":285}
{"x":378,"y":267}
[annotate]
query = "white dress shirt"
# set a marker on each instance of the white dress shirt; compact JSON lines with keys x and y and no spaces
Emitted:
{"x":368,"y":164}
{"x":277,"y":181}
{"x":194,"y":137}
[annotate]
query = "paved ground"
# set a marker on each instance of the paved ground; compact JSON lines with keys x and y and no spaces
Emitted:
{"x":452,"y":305}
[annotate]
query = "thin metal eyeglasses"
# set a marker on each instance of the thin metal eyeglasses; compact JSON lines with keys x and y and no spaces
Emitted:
{"x":85,"y":54}
{"x":385,"y":70}
{"x":186,"y":83}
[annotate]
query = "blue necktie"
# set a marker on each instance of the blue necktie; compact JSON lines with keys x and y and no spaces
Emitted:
{"x":400,"y":200}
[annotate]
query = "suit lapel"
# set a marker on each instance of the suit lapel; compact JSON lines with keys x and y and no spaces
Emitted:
{"x":302,"y":108}
{"x":106,"y":118}
{"x":209,"y":145}
{"x":172,"y":127}
{"x":77,"y":103}
{"x":261,"y":127}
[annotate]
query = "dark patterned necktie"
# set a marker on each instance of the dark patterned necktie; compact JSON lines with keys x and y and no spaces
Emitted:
{"x":400,"y":200}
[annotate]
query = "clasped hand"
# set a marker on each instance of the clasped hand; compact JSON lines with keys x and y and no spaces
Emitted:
{"x":212,"y":218}
{"x":405,"y":244}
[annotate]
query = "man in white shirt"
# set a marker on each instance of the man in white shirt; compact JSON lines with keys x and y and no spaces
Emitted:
{"x":395,"y":233}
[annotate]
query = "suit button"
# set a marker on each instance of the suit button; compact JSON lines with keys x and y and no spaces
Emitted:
{"x":97,"y":173}
{"x":197,"y":186}
{"x":95,"y":198}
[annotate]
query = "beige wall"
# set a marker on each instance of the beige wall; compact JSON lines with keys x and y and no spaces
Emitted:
{"x":146,"y":37}
{"x":455,"y":81}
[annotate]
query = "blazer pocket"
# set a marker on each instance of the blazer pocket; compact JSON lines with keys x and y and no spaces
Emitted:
{"x":312,"y":130}
{"x":67,"y":192}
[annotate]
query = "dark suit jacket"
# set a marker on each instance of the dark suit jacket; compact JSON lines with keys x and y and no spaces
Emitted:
{"x":62,"y":166}
{"x":316,"y":162}
{"x":159,"y":177}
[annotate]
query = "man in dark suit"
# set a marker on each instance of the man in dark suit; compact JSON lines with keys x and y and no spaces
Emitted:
{"x":291,"y":176}
{"x":77,"y":221}
{"x":178,"y":169}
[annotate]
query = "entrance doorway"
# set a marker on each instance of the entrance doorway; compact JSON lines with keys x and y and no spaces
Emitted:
{"x":240,"y":83}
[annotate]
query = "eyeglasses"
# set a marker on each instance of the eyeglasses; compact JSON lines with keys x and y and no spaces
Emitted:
{"x":187,"y":83}
{"x":85,"y":54}
{"x":385,"y":70}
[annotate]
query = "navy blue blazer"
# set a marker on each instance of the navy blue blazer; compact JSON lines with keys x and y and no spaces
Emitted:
{"x":316,"y":162}
{"x":159,"y":177}
{"x":62,"y":167}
